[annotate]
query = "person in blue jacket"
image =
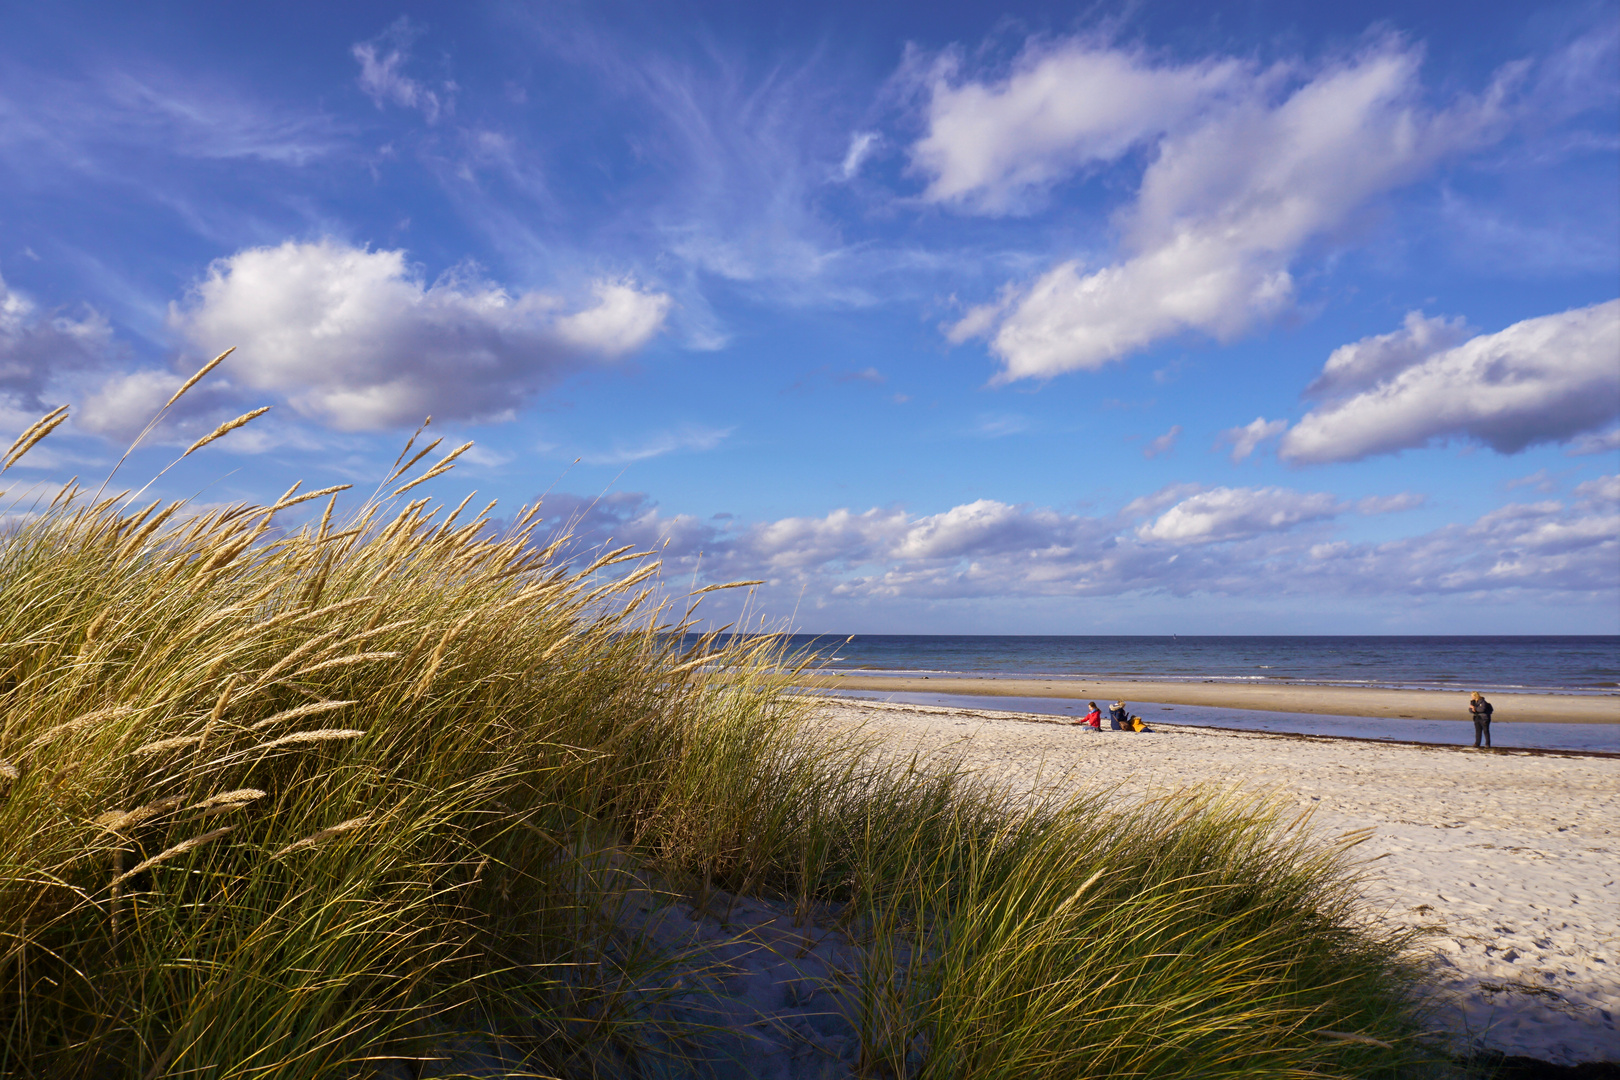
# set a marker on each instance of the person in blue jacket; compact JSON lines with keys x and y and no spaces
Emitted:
{"x":1116,"y":716}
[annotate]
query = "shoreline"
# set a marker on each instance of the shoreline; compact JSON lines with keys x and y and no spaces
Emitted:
{"x":1324,"y":700}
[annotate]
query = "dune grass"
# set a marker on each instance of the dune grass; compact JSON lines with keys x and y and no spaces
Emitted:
{"x":316,"y":800}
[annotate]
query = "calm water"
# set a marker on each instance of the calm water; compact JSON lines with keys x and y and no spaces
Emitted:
{"x":1544,"y":664}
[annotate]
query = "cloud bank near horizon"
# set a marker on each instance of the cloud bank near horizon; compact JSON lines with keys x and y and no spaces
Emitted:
{"x":1220,"y":542}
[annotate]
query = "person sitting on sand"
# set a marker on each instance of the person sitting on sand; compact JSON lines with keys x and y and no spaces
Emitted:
{"x":1481,"y":711}
{"x":1116,"y":716}
{"x":1093,"y":718}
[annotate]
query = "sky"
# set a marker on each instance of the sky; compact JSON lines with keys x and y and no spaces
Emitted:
{"x":1017,"y":318}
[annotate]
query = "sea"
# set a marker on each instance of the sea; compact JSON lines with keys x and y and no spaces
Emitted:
{"x":1521,"y":664}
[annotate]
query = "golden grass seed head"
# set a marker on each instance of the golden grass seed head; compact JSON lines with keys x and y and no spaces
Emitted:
{"x":312,"y":709}
{"x":170,"y":853}
{"x":315,"y":838}
{"x":226,"y":428}
{"x":177,"y":742}
{"x":195,"y":379}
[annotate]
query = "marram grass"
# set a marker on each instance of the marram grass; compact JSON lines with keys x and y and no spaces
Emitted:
{"x":311,"y":801}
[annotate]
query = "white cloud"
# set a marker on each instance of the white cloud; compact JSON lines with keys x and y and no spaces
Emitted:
{"x":1390,"y":504}
{"x":622,"y":321}
{"x":990,"y":146}
{"x":124,"y":403}
{"x":38,"y":346}
{"x":861,"y":146}
{"x":1163,"y":444}
{"x":382,"y":61}
{"x":1246,"y":439}
{"x":1244,"y":542}
{"x":1233,"y":513}
{"x":1364,"y":364}
{"x":1602,"y":442}
{"x":1253,"y":165}
{"x":1605,"y":489}
{"x":689,"y":437}
{"x":1547,"y":379}
{"x":355,"y":338}
{"x":1001,"y":425}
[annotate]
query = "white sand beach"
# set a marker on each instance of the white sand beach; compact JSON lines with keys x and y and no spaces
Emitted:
{"x":1507,"y":859}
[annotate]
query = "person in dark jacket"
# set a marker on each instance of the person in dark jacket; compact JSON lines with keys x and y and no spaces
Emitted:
{"x":1481,"y":710}
{"x":1116,"y":716}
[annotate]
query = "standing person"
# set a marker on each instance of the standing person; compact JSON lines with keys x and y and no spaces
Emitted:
{"x":1481,"y":711}
{"x":1094,"y":717}
{"x":1116,"y":716}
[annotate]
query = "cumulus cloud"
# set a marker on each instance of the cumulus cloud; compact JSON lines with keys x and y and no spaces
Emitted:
{"x":38,"y":346}
{"x":1547,"y":379}
{"x":357,"y":340}
{"x":1246,"y":439}
{"x":990,"y":146}
{"x":1250,"y":165}
{"x":1232,"y":513}
{"x":1163,"y":444}
{"x":1364,"y":364}
{"x":382,"y":76}
{"x":1600,"y":442}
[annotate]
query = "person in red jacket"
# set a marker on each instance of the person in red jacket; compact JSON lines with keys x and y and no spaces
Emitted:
{"x":1094,"y":717}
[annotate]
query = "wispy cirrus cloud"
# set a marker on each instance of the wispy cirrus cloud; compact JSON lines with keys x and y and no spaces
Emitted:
{"x":687,"y":438}
{"x":383,"y":61}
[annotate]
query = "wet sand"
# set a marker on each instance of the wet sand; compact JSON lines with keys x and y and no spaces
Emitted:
{"x":1331,"y":700}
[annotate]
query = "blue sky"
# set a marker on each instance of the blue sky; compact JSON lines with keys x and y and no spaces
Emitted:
{"x":1025,"y":318}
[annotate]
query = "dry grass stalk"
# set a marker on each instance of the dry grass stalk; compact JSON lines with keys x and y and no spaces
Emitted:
{"x":343,"y":661}
{"x":1352,"y":1037}
{"x":117,"y":712}
{"x":195,"y":379}
{"x":238,"y":797}
{"x":226,"y":428}
{"x":437,"y":658}
{"x":175,"y":743}
{"x":28,"y":432}
{"x":400,"y":470}
{"x":118,"y":820}
{"x":221,"y":703}
{"x":314,"y":838}
{"x":298,"y":738}
{"x":170,"y":853}
{"x":312,"y":709}
{"x":34,"y":435}
{"x":443,"y":466}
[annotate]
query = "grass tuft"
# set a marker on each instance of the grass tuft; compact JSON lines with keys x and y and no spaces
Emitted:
{"x":521,"y":740}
